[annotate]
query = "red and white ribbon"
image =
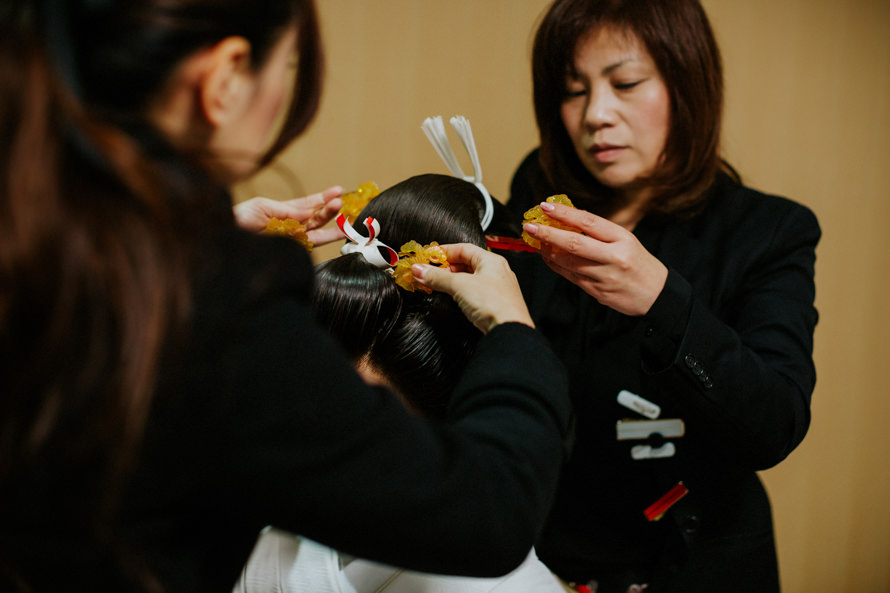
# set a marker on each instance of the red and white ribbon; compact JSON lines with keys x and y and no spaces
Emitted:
{"x":370,"y":247}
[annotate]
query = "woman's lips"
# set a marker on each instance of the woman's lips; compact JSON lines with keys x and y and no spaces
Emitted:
{"x":605,"y":153}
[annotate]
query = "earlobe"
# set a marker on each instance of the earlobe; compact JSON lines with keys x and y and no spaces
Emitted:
{"x":225,"y":85}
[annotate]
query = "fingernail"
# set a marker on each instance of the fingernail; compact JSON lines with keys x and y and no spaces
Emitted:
{"x":530,"y":228}
{"x":547,"y":207}
{"x":418,"y":270}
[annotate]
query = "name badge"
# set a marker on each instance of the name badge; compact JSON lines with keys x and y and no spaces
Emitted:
{"x":639,"y":452}
{"x":669,"y":428}
{"x":640,"y":405}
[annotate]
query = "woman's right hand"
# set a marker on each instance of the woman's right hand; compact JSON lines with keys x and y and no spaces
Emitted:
{"x":315,"y":211}
{"x":605,"y":260}
{"x":482,"y":284}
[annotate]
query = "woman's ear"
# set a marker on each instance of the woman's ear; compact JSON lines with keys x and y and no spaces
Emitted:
{"x":225,"y":87}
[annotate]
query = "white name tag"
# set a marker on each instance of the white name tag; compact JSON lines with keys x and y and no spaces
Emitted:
{"x":669,"y":428}
{"x":646,"y":452}
{"x":640,"y":405}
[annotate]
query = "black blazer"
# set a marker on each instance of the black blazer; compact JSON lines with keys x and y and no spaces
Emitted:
{"x":260,"y":418}
{"x":727,"y":348}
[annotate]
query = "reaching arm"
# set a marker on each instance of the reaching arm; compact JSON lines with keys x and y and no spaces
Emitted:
{"x":314,"y":211}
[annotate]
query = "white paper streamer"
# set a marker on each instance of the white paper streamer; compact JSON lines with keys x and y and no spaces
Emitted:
{"x":435,"y":132}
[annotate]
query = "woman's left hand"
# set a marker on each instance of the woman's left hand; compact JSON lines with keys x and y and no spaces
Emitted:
{"x":314,"y":211}
{"x":607,"y":262}
{"x":481,"y":283}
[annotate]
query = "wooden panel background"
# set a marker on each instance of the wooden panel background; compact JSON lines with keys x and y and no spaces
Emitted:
{"x":808,"y":116}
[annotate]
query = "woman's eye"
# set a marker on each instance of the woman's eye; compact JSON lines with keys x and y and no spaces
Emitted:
{"x":571,"y":93}
{"x":626,"y":86}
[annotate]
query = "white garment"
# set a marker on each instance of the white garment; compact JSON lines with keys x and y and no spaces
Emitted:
{"x":286,"y":563}
{"x":530,"y":577}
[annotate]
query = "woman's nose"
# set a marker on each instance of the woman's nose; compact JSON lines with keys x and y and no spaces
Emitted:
{"x":600,"y":110}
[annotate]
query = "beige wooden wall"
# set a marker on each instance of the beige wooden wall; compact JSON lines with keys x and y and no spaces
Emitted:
{"x":808,"y":117}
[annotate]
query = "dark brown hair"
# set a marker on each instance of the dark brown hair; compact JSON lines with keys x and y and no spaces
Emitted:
{"x":116,"y":54}
{"x":678,"y":36}
{"x":98,"y":219}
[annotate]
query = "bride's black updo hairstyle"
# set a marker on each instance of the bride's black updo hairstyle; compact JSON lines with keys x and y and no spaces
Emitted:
{"x":419,"y":342}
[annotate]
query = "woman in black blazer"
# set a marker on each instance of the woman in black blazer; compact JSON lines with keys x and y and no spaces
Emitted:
{"x":684,"y":311}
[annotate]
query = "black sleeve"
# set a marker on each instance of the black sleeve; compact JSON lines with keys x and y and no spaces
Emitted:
{"x":303,"y":444}
{"x":743,"y":379}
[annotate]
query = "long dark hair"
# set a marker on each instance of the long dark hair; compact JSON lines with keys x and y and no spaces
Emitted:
{"x":678,"y":36}
{"x":116,"y":54}
{"x":420,"y":342}
{"x":98,"y":219}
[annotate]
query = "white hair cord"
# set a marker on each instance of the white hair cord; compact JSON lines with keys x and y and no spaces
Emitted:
{"x":435,"y":131}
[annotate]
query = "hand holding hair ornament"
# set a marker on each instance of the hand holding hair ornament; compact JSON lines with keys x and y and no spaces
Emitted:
{"x":288,"y":227}
{"x":536,"y":215}
{"x":412,"y":253}
{"x":370,"y":247}
{"x":435,"y":131}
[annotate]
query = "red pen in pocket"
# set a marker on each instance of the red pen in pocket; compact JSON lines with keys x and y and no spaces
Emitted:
{"x":660,"y":506}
